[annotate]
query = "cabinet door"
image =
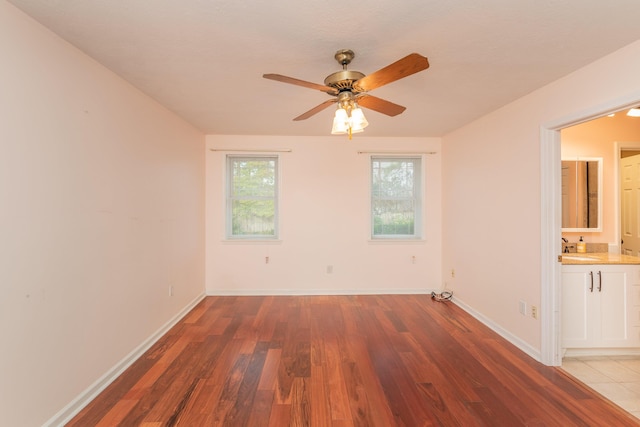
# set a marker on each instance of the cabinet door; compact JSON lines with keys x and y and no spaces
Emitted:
{"x":633,"y":286}
{"x":613,"y":302}
{"x":576,"y":299}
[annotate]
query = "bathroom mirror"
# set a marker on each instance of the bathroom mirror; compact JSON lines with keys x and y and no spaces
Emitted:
{"x":582,"y":194}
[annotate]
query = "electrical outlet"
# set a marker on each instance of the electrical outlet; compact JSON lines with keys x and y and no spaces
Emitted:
{"x":170,"y":290}
{"x":329,"y":269}
{"x":453,"y":273}
{"x":534,"y":311}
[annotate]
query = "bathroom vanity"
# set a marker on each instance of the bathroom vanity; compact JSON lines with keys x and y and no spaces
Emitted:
{"x":600,"y":303}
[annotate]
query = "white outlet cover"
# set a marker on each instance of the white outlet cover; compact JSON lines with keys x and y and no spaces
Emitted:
{"x":522,"y":307}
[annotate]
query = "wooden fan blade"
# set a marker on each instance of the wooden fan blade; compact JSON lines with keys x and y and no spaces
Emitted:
{"x":298,"y":82}
{"x":380,"y":105}
{"x":406,"y":66}
{"x":315,"y":110}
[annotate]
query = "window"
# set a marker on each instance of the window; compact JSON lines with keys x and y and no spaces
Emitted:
{"x":396,"y":201}
{"x":252,"y":197}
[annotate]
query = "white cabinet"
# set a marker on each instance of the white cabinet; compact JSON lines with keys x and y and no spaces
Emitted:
{"x":600,"y":306}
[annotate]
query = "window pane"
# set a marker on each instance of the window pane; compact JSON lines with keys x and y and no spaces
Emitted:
{"x":395,"y":197}
{"x":254,"y":178}
{"x":253,"y":217}
{"x":252,"y":202}
{"x":393,"y":179}
{"x":393,"y":217}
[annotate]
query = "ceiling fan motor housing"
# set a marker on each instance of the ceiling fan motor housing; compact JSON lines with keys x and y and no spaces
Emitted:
{"x":343,"y":80}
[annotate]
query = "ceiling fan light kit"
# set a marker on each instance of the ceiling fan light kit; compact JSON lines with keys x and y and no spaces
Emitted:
{"x":349,"y":89}
{"x":349,"y":118}
{"x":349,"y":121}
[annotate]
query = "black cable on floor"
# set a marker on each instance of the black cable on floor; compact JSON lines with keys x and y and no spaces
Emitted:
{"x":443,"y":296}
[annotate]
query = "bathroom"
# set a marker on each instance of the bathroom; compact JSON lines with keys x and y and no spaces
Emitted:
{"x":600,"y":306}
{"x":605,"y":139}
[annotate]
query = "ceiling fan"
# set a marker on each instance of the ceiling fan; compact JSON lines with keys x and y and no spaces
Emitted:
{"x":350,"y":90}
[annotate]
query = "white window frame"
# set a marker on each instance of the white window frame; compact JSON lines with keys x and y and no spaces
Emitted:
{"x":230,"y":160}
{"x":417,"y":197}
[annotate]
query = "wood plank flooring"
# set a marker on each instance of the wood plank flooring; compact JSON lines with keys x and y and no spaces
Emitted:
{"x":379,"y":360}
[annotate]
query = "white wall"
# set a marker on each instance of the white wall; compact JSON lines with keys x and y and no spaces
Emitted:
{"x":324,"y":221}
{"x":492,"y":191}
{"x":102,"y":209}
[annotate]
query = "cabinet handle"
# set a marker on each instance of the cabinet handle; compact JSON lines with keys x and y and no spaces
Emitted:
{"x":591,"y":275}
{"x":599,"y":281}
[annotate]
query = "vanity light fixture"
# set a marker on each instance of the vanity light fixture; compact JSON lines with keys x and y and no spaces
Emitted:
{"x":634,"y":112}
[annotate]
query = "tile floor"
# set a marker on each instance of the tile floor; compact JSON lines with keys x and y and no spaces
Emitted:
{"x":615,"y":377}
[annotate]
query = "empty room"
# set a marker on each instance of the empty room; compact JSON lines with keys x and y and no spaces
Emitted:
{"x":319,"y":213}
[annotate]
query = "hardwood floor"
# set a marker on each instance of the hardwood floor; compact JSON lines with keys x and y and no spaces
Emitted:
{"x":380,"y":360}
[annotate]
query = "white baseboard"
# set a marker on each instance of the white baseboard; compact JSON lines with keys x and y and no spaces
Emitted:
{"x":522,"y":345}
{"x":314,"y":292}
{"x":76,"y":405}
{"x":582,"y":352}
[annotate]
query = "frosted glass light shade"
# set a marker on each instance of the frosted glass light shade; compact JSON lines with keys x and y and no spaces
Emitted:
{"x":340,"y":122}
{"x":358,"y":121}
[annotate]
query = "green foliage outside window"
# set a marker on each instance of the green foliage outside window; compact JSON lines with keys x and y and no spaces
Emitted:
{"x":253,"y":196}
{"x":394,"y":196}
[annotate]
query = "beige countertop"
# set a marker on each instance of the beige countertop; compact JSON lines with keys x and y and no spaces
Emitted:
{"x":598,"y":258}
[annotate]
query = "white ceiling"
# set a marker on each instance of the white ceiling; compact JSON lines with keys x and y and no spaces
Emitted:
{"x":204,"y":59}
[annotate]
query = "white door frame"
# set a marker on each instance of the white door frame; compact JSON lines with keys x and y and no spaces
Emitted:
{"x":551,"y":221}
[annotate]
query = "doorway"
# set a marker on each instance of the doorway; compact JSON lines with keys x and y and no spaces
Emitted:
{"x":629,"y":193}
{"x":551,"y":222}
{"x":551,"y":347}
